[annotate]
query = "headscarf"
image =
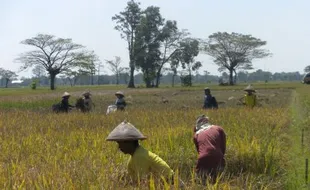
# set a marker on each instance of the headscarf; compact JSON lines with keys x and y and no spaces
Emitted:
{"x":202,"y":123}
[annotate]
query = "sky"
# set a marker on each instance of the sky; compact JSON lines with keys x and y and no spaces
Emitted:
{"x":283,"y":24}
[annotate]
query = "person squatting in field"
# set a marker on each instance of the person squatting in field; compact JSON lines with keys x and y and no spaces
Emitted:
{"x":120,"y":101}
{"x":209,"y":100}
{"x":85,"y":104}
{"x":64,"y":105}
{"x":210,"y":143}
{"x":250,"y":99}
{"x":142,"y":163}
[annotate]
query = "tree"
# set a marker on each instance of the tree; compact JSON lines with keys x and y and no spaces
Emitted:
{"x":56,"y":55}
{"x":170,"y":45}
{"x":73,"y":75}
{"x":307,"y":69}
{"x":7,"y":75}
{"x":234,"y":51}
{"x":127,"y":22}
{"x":115,"y":67}
{"x":186,"y":57}
{"x":39,"y":71}
{"x":149,"y":33}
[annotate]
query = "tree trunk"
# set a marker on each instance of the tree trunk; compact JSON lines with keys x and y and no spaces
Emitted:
{"x":131,"y":83}
{"x":92,"y":79}
{"x":235,"y":78}
{"x":53,"y":76}
{"x":6,"y":82}
{"x":117,"y":79}
{"x":231,"y":79}
{"x":158,"y":77}
{"x":173,"y":80}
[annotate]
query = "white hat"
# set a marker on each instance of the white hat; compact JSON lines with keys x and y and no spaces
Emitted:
{"x":66,"y":94}
{"x":119,"y":93}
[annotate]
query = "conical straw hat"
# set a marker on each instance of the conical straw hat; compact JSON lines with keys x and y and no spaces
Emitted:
{"x":86,"y":93}
{"x":125,"y":132}
{"x":249,"y":88}
{"x":65,"y":94}
{"x":119,"y":93}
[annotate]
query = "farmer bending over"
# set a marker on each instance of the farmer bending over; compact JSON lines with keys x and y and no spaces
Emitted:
{"x":142,"y":162}
{"x":210,"y":142}
{"x":209,"y":101}
{"x":120,"y":101}
{"x":88,"y":103}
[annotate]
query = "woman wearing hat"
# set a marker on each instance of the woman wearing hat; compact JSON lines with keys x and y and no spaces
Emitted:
{"x":88,"y":103}
{"x":142,"y":162}
{"x":250,"y":97}
{"x":120,"y":101}
{"x":210,"y":142}
{"x":64,"y":105}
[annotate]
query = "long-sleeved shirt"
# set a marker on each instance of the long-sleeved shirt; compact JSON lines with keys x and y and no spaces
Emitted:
{"x":250,"y":100}
{"x":65,"y":105}
{"x":143,"y":162}
{"x":88,"y":104}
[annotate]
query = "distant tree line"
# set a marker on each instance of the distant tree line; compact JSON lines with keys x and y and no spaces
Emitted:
{"x":168,"y":79}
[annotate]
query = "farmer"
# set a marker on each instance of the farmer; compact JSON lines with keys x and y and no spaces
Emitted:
{"x":209,"y":101}
{"x":120,"y":101}
{"x":250,"y":97}
{"x":142,"y":162}
{"x":64,"y":105}
{"x":210,"y":142}
{"x":88,"y":103}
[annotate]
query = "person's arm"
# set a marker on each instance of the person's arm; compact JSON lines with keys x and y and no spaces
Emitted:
{"x":196,"y":142}
{"x":160,"y":167}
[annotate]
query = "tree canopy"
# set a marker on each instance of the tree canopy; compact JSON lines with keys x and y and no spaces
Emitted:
{"x":234,"y":51}
{"x":55,"y":55}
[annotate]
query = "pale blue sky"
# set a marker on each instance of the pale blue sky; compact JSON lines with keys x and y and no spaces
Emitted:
{"x":284,"y":24}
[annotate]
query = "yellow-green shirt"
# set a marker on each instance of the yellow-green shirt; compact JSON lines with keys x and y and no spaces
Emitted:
{"x":250,"y":100}
{"x":143,"y":162}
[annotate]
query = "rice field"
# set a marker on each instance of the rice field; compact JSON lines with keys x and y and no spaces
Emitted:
{"x":43,"y":150}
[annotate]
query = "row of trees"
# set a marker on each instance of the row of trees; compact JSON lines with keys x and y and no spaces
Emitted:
{"x":167,"y":78}
{"x":153,"y":42}
{"x":155,"y":46}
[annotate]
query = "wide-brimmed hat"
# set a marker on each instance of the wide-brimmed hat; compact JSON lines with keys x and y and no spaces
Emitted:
{"x":119,"y":93}
{"x":66,"y":94}
{"x":125,"y":131}
{"x":86,"y":93}
{"x":249,"y":88}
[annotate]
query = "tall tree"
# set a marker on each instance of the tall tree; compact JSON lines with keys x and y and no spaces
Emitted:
{"x":115,"y":67}
{"x":127,"y":22}
{"x":55,"y":55}
{"x":149,"y":33}
{"x":234,"y":51}
{"x":7,"y":75}
{"x":171,"y":38}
